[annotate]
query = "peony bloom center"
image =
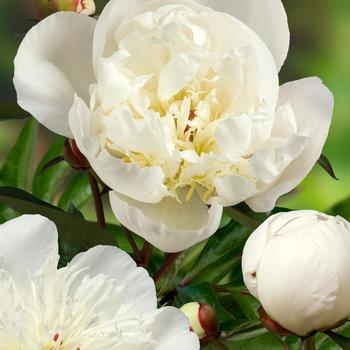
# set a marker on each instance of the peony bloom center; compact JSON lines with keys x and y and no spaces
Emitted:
{"x":164,"y":95}
{"x":63,"y":310}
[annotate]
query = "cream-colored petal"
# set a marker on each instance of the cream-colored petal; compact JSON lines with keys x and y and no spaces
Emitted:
{"x":53,"y":63}
{"x":143,"y":184}
{"x":169,"y":225}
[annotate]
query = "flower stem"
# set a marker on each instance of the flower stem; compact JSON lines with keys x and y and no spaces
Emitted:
{"x":100,"y":215}
{"x":136,"y":250}
{"x":221,"y":345}
{"x":170,"y":259}
{"x":308,"y":343}
{"x":242,"y":218}
{"x":146,"y":253}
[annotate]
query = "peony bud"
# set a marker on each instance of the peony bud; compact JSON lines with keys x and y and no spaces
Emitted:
{"x":203,"y":321}
{"x":48,"y":7}
{"x":73,"y":156}
{"x":298,"y":265}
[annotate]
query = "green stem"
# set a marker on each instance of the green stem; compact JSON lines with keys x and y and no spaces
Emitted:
{"x":242,"y":218}
{"x":100,"y":215}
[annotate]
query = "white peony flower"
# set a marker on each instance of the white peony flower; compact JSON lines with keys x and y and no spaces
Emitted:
{"x":177,"y":108}
{"x":298,"y":265}
{"x":100,"y":301}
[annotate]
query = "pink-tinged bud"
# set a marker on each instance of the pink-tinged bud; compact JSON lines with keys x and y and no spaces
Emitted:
{"x":272,"y":325}
{"x":47,"y":7}
{"x":203,"y":321}
{"x":73,"y":156}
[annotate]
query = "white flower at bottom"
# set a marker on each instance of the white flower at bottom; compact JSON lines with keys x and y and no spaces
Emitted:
{"x":298,"y":265}
{"x":100,"y":301}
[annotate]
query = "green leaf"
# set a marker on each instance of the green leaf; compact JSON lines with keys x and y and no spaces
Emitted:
{"x":327,"y":166}
{"x":341,"y":340}
{"x":17,"y":167}
{"x":70,"y":227}
{"x":263,"y":342}
{"x":67,"y":251}
{"x":342,"y":209}
{"x":77,"y":192}
{"x":11,"y":110}
{"x":221,"y":252}
{"x":45,"y":183}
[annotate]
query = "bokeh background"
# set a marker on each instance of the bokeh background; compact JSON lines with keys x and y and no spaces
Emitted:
{"x":320,"y":46}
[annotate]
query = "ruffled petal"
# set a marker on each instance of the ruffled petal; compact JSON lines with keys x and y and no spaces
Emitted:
{"x":171,"y":330}
{"x":312,"y":104}
{"x":116,"y":264}
{"x":53,"y":63}
{"x":143,"y":184}
{"x":267,"y":18}
{"x":110,"y":19}
{"x":26,"y":244}
{"x":169,"y":225}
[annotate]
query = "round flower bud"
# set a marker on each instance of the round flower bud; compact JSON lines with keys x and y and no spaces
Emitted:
{"x":48,"y":7}
{"x":73,"y":156}
{"x":203,"y":321}
{"x":298,"y":265}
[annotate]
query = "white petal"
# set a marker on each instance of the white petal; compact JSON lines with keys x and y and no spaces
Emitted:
{"x":266,"y":17}
{"x":169,"y":225}
{"x":177,"y":73}
{"x":312,"y":104}
{"x":143,"y":184}
{"x":171,"y":329}
{"x":109,"y":21}
{"x":116,"y":264}
{"x":233,"y":135}
{"x":54,"y":62}
{"x":26,"y":244}
{"x":233,"y":189}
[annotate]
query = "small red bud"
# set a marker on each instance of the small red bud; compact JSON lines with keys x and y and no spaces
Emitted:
{"x":73,"y":156}
{"x":272,"y":325}
{"x":203,"y":320}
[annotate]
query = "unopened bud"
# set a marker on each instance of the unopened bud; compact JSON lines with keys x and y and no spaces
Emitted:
{"x":203,"y":321}
{"x":73,"y":156}
{"x":48,"y":7}
{"x":272,"y":325}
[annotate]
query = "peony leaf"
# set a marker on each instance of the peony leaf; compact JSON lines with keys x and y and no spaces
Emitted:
{"x":11,"y":110}
{"x":70,"y":227}
{"x":45,"y":183}
{"x":341,"y":340}
{"x":17,"y":167}
{"x":255,"y":339}
{"x":77,"y":192}
{"x":327,"y":166}
{"x":220,"y":254}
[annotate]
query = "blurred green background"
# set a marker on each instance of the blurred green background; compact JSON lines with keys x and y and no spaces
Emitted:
{"x":320,"y":46}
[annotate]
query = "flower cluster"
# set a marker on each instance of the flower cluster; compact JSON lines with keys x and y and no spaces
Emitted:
{"x":176,"y":107}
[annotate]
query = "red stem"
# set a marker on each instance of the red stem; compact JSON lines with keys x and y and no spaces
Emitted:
{"x":171,"y":258}
{"x":100,"y":215}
